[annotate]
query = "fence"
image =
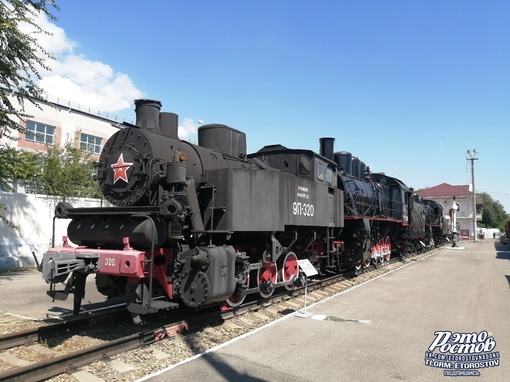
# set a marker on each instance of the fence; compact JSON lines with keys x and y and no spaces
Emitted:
{"x":32,"y":218}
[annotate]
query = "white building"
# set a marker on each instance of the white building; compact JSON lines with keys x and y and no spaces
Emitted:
{"x":56,"y":122}
{"x":444,"y":194}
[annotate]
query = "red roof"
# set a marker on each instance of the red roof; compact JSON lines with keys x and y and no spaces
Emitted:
{"x":445,"y":190}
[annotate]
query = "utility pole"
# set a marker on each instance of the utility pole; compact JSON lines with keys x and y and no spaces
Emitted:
{"x":472,"y":156}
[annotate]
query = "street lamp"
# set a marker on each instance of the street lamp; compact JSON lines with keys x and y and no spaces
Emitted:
{"x":472,"y":156}
{"x":453,"y":213}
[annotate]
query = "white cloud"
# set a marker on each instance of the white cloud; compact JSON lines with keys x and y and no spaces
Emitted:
{"x":187,"y":130}
{"x":56,"y":43}
{"x":79,"y":80}
{"x":91,"y":84}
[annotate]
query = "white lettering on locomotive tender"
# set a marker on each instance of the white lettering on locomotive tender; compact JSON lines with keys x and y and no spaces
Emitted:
{"x":303,"y":209}
{"x":300,"y":208}
{"x":302,"y":192}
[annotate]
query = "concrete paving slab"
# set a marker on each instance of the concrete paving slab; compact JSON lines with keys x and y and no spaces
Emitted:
{"x":85,"y":376}
{"x":120,"y":366}
{"x":11,"y":359}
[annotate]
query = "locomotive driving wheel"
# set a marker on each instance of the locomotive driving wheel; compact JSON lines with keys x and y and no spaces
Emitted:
{"x":381,"y":246}
{"x":375,"y":254}
{"x":388,"y":249}
{"x":239,"y":294}
{"x":267,"y":279}
{"x":237,"y":298}
{"x":290,"y":270}
{"x":357,"y":262}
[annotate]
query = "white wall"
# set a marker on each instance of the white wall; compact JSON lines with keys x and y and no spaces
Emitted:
{"x":489,"y":233}
{"x":32,"y":216}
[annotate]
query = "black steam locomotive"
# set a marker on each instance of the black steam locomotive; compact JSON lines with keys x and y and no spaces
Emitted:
{"x":207,"y":223}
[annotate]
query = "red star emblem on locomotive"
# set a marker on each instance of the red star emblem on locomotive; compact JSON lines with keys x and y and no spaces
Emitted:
{"x":120,"y":169}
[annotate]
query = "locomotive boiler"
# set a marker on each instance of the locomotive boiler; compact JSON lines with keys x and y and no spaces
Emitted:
{"x":200,"y":224}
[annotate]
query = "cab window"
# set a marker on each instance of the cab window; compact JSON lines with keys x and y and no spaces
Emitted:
{"x":325,"y":173}
{"x":321,"y":170}
{"x":329,"y":176}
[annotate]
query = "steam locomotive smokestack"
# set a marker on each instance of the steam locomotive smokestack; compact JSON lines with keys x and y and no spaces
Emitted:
{"x":327,"y":147}
{"x":168,"y":123}
{"x":147,"y":114}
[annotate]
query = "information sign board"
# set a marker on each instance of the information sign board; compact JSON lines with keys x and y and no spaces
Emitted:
{"x":307,"y":267}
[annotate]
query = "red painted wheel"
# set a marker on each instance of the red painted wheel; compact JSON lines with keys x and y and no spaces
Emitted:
{"x":388,"y":249}
{"x":382,"y":249}
{"x":290,"y":269}
{"x":366,"y":263}
{"x":238,"y":297}
{"x":235,"y":300}
{"x":267,"y":279}
{"x":376,"y":253}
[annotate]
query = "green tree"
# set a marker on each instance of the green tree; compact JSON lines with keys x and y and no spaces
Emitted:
{"x":22,"y":58}
{"x":18,"y":168}
{"x":493,"y":212}
{"x":67,"y":171}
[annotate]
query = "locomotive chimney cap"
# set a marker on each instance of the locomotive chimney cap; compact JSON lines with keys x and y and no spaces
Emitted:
{"x":139,"y":102}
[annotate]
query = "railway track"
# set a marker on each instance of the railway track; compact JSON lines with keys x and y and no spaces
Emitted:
{"x":203,"y":327}
{"x":54,"y":364}
{"x":43,"y":333}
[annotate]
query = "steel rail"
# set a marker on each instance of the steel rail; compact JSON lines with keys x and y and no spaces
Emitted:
{"x":30,"y":336}
{"x":23,"y":337}
{"x":49,"y":368}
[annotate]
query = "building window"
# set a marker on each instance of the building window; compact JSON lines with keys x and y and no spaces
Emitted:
{"x":40,"y":132}
{"x":90,"y":143}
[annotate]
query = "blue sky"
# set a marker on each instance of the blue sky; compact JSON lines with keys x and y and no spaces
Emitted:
{"x":407,"y":86}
